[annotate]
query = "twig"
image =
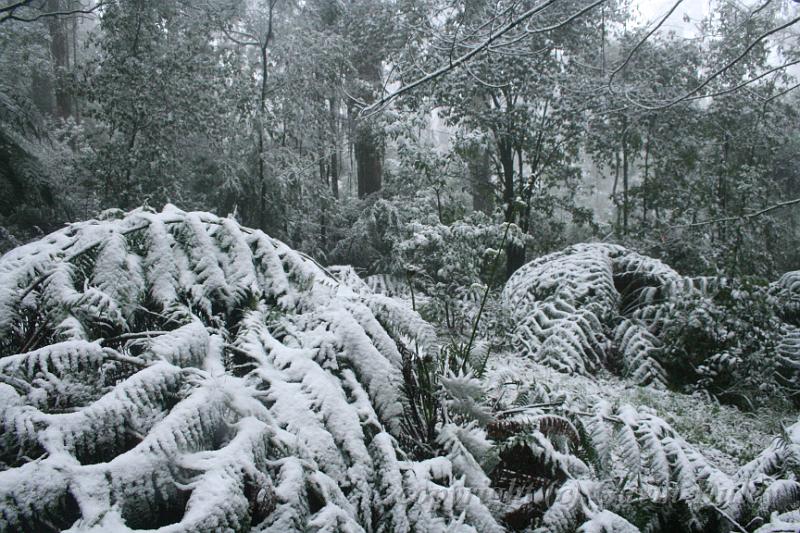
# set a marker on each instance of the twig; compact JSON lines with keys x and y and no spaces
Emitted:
{"x":729,"y":518}
{"x":531,"y":406}
{"x":640,"y":43}
{"x":11,"y":16}
{"x":718,"y":72}
{"x":114,"y":355}
{"x":136,"y":335}
{"x":483,"y":298}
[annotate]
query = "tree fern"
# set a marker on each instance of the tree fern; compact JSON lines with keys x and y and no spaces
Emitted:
{"x":565,"y":306}
{"x":596,"y":306}
{"x":179,"y":371}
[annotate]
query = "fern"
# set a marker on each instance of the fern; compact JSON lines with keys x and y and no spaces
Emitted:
{"x":177,"y":370}
{"x":565,"y":306}
{"x":599,"y":306}
{"x":639,"y":352}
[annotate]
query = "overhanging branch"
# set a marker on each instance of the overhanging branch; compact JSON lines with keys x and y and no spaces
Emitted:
{"x":747,"y":216}
{"x":380,"y":104}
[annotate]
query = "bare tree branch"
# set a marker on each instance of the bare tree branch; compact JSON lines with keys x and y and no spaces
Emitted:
{"x":716,"y":73}
{"x":13,"y":7}
{"x":740,"y":217}
{"x":748,"y":82}
{"x":9,"y":12}
{"x":640,"y":44}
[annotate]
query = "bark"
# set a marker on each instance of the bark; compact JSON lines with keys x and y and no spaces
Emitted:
{"x":369,"y":142}
{"x":515,"y":255}
{"x":334,"y":157}
{"x":369,"y":151}
{"x":646,"y":179}
{"x":625,"y":203}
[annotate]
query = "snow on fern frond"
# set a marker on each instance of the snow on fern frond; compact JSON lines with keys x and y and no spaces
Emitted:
{"x":119,"y":274}
{"x":787,"y":292}
{"x":782,"y":523}
{"x":782,"y":495}
{"x":607,"y":522}
{"x":639,"y":351}
{"x":178,"y":371}
{"x":160,"y":265}
{"x":571,"y":506}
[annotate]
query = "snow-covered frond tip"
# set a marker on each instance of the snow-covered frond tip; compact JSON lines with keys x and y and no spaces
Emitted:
{"x":607,"y":522}
{"x":178,"y":372}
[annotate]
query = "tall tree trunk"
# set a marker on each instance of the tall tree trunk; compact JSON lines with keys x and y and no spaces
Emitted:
{"x":334,"y":156}
{"x":614,"y":196}
{"x":369,"y":151}
{"x":625,"y":204}
{"x":479,"y":171}
{"x":646,"y":179}
{"x":59,"y":49}
{"x":369,"y":142}
{"x":76,"y":110}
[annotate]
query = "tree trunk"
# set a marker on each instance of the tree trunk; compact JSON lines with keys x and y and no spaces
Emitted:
{"x":369,"y":142}
{"x":646,"y":179}
{"x":515,"y":255}
{"x":625,"y":204}
{"x":369,"y":151}
{"x":479,"y":172}
{"x":59,"y":49}
{"x":334,"y":159}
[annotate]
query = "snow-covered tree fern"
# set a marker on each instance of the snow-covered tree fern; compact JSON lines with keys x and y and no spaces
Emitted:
{"x":595,"y":306}
{"x":565,"y":305}
{"x":179,"y":372}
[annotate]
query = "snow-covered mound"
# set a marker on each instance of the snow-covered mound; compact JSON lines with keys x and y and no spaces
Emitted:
{"x":178,"y":372}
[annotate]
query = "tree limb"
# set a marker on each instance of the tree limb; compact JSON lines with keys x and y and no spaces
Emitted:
{"x":716,"y":73}
{"x":640,"y":44}
{"x":9,"y":12}
{"x":740,"y":217}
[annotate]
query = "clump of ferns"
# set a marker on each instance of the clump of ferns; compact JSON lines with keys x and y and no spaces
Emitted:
{"x":537,"y":453}
{"x":440,"y":388}
{"x":423,"y":386}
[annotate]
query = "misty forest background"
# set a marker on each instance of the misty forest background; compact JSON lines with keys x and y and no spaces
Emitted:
{"x":584,"y":121}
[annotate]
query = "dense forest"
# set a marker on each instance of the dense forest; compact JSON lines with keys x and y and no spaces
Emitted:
{"x":400,"y":265}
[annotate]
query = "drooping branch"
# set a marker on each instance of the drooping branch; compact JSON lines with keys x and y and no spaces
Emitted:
{"x":8,"y":12}
{"x":717,"y":73}
{"x":640,"y":44}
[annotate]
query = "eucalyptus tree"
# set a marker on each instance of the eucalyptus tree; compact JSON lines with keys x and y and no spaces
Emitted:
{"x":707,"y":157}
